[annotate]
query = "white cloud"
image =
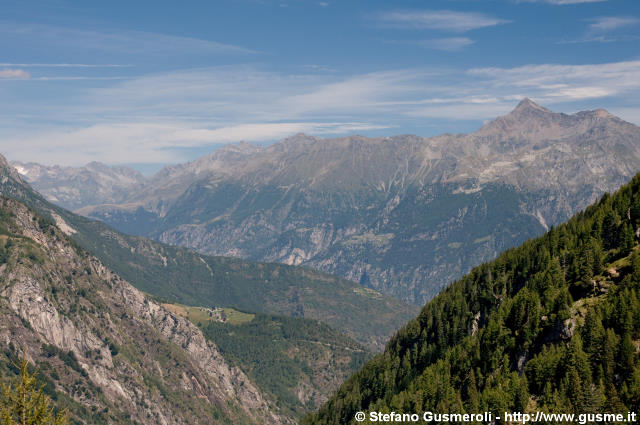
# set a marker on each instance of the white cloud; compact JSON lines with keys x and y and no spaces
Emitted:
{"x":154,"y":117}
{"x":610,"y":23}
{"x":446,"y":20}
{"x":447,"y":44}
{"x":604,"y":29}
{"x":14,"y":74}
{"x":567,"y":82}
{"x":153,"y":142}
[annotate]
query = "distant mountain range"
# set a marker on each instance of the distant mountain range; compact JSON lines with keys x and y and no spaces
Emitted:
{"x":73,"y":188}
{"x":404,"y":215}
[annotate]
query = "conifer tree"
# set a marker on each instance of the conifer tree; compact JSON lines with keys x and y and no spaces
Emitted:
{"x":626,"y":242}
{"x":23,"y":403}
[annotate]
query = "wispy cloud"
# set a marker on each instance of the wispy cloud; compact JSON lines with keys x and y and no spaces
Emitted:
{"x":14,"y":74}
{"x":445,"y":20}
{"x":610,"y":23}
{"x":446,"y":44}
{"x":558,"y":83}
{"x":155,"y":142}
{"x":152,"y":117}
{"x":606,"y":29}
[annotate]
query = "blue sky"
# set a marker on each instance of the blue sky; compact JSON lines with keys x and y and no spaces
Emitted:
{"x":150,"y":83}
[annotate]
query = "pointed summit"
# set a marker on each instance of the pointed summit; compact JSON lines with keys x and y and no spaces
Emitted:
{"x":527,"y":104}
{"x":527,"y":118}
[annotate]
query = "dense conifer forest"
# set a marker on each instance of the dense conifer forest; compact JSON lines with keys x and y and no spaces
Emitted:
{"x":553,"y":326}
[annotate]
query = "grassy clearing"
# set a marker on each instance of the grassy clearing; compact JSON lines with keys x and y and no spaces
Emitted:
{"x":203,"y":315}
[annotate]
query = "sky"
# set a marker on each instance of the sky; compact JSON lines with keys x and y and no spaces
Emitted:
{"x":148,"y":83}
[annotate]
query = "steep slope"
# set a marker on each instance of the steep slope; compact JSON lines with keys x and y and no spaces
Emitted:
{"x":404,"y":215}
{"x":551,"y":326}
{"x":72,"y":187}
{"x":298,"y":363}
{"x":107,"y":352}
{"x":180,"y":275}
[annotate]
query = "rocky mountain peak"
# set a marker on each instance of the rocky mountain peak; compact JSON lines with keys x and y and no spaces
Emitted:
{"x":530,"y":122}
{"x":99,"y":166}
{"x":527,"y":105}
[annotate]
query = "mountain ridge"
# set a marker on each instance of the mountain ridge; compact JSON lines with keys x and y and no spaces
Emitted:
{"x":401,"y":213}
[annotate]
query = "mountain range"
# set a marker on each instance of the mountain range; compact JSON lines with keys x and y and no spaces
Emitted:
{"x":404,"y":215}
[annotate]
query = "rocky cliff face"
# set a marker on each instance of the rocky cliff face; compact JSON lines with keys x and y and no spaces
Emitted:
{"x":404,"y":215}
{"x":110,"y":354}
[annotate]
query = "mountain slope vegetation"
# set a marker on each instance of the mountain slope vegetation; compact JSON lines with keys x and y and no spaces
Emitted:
{"x":180,"y":275}
{"x":297,"y":362}
{"x":553,"y":325}
{"x":105,"y":351}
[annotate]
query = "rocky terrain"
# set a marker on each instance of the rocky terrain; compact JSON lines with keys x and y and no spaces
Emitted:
{"x":105,"y":350}
{"x":404,"y":215}
{"x":181,"y":275}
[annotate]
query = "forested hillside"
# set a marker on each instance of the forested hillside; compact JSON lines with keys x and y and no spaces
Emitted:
{"x":290,"y":359}
{"x":553,"y":325}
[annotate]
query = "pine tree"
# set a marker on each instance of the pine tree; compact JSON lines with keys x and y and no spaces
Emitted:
{"x":471,"y":393}
{"x":627,"y":356}
{"x":608,"y":356}
{"x":610,"y":229}
{"x":626,"y":239}
{"x":593,"y":337}
{"x":23,"y":403}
